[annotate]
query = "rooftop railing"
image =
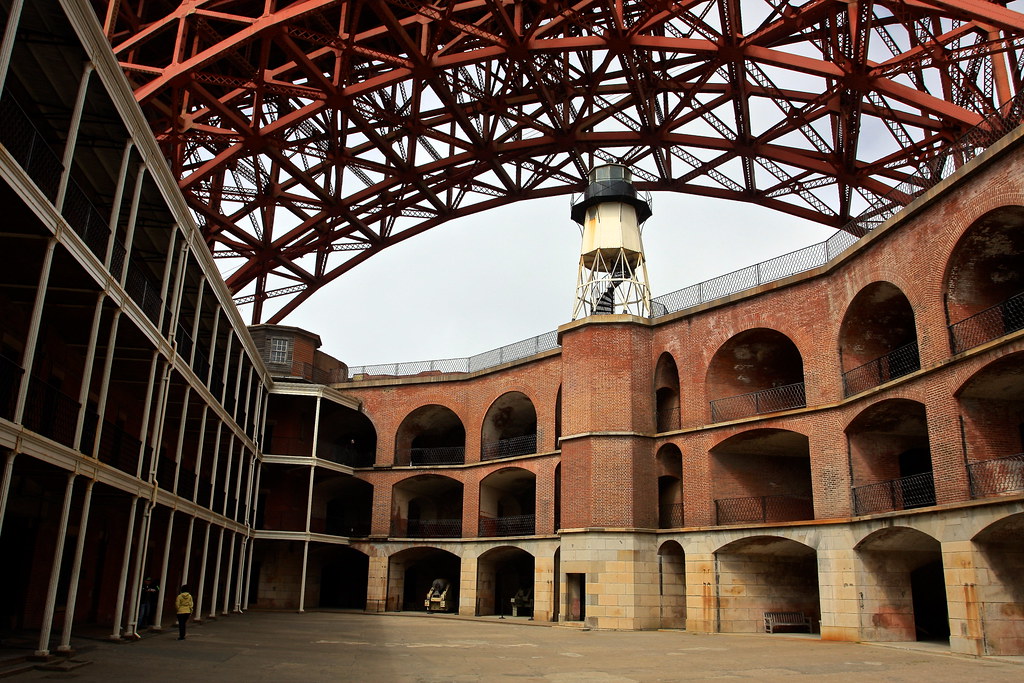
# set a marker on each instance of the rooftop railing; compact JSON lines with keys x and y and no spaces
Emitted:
{"x":941,"y":166}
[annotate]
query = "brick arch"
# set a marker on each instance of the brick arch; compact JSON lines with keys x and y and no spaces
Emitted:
{"x":670,"y":486}
{"x":877,"y":338}
{"x":762,"y":475}
{"x":432,"y":434}
{"x":666,"y":393}
{"x":983,"y":282}
{"x":759,"y":370}
{"x":509,"y":426}
{"x":890,"y":457}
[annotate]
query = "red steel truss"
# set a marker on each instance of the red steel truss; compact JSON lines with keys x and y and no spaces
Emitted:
{"x":310,"y":134}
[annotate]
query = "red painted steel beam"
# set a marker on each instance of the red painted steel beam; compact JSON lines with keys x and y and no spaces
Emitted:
{"x":309,"y":135}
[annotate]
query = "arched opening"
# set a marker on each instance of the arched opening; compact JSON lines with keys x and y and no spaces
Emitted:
{"x":985,"y":279}
{"x":878,"y":338}
{"x":427,"y":506}
{"x":670,"y":487}
{"x":347,"y":436}
{"x":412,"y":574}
{"x":558,"y":496}
{"x":1000,"y":599}
{"x":343,"y":578}
{"x":992,"y":410}
{"x":505,"y":582}
{"x":509,"y":428}
{"x":781,"y":575}
{"x":343,"y":506}
{"x":758,"y":371}
{"x":890,"y":458}
{"x":672,"y":585}
{"x":508,"y":503}
{"x":430,"y":435}
{"x":903,"y":585}
{"x":666,"y":393}
{"x":762,"y":475}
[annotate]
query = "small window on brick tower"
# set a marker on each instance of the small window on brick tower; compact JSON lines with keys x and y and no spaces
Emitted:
{"x":280,"y":351}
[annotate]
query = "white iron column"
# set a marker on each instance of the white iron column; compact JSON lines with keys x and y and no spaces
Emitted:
{"x":76,"y":570}
{"x":90,"y":358}
{"x":58,"y":557}
{"x":122,"y":583}
{"x":7,"y":44}
{"x":5,"y":488}
{"x":229,"y":575}
{"x":115,"y":209}
{"x":133,"y":216}
{"x":72,"y":137}
{"x":158,"y":617}
{"x":108,"y":364}
{"x":216,"y":574}
{"x":29,"y":357}
{"x":201,"y":593}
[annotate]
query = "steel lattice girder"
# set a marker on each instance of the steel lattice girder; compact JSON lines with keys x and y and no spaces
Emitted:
{"x":310,"y":134}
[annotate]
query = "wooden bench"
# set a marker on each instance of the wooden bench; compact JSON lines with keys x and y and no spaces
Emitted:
{"x":772,"y":620}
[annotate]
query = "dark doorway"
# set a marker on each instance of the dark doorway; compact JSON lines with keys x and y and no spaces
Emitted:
{"x":928,"y":588}
{"x":343,"y":580}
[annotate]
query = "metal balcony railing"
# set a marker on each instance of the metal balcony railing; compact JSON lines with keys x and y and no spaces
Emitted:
{"x":996,"y":476}
{"x":905,"y":493}
{"x":28,"y":147}
{"x":759,"y":402}
{"x":91,"y":224}
{"x":506,"y":448}
{"x":50,"y":412}
{"x":433,"y":528}
{"x":989,"y":324}
{"x":670,"y":516}
{"x":753,"y":509}
{"x":437,"y":455}
{"x":10,"y":379}
{"x":306,"y":371}
{"x":353,"y":457}
{"x":353,"y":528}
{"x":510,"y":525}
{"x":289,"y":445}
{"x":118,"y":448}
{"x":896,"y":363}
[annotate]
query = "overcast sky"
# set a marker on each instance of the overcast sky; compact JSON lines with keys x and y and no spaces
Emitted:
{"x":491,"y":279}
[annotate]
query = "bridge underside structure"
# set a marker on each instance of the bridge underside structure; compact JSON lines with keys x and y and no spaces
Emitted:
{"x":308,"y":135}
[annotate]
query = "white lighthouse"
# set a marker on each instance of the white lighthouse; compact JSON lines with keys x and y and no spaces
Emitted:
{"x":613,"y":273}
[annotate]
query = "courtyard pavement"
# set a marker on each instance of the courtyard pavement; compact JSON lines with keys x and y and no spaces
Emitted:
{"x":342,"y":646}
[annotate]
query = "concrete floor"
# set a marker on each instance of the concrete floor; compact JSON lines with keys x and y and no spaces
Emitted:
{"x":338,"y":646}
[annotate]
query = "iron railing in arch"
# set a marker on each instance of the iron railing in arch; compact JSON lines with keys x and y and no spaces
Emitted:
{"x":670,"y":516}
{"x":435,"y":455}
{"x":510,"y":525}
{"x":525,"y":444}
{"x":896,"y":363}
{"x":433,"y":528}
{"x":761,"y":402}
{"x":996,"y":476}
{"x":940,"y":167}
{"x":763,"y":509}
{"x":905,"y":493}
{"x":994,"y":322}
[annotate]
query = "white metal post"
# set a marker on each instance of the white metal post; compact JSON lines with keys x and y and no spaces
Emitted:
{"x":7,"y":45}
{"x":5,"y":489}
{"x":108,"y":364}
{"x":72,"y":137}
{"x":58,"y":557}
{"x":33,"y":331}
{"x":76,"y":570}
{"x":122,"y":583}
{"x":216,"y":574}
{"x":158,"y":617}
{"x":90,"y":358}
